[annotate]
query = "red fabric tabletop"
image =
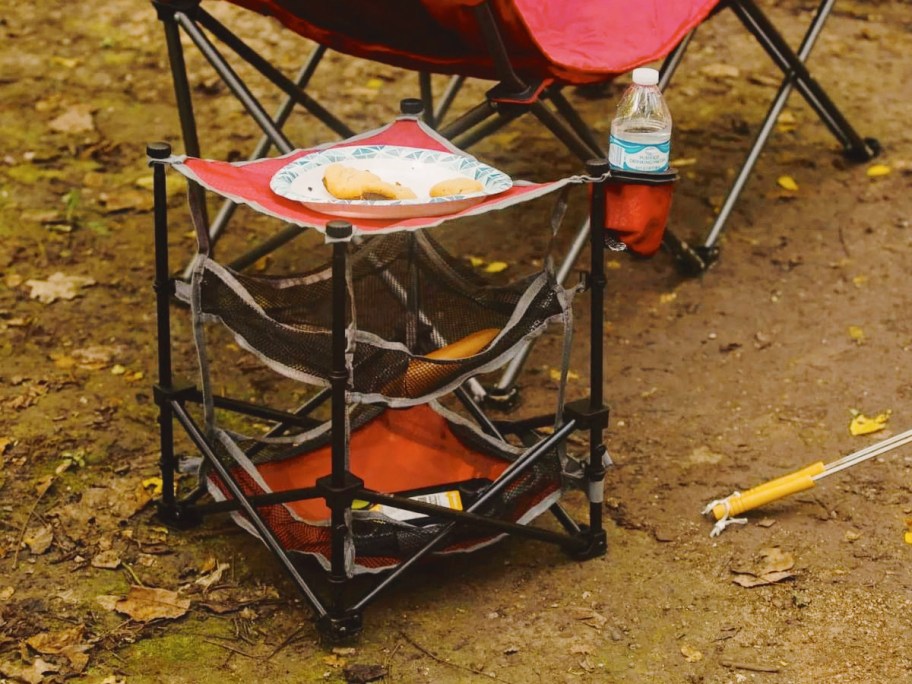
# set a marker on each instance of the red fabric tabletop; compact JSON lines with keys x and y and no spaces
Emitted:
{"x":249,"y":182}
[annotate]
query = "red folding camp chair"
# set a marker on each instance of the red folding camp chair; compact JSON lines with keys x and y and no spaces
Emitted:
{"x":531,"y":48}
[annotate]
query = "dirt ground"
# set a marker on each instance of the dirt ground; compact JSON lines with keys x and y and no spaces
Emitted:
{"x":716,"y":384}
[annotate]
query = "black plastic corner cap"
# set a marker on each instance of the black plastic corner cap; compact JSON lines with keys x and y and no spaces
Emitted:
{"x":411,"y":106}
{"x":338,"y":230}
{"x":597,"y":167}
{"x":158,"y":150}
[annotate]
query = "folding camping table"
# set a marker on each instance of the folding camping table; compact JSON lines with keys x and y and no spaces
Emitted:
{"x":376,"y":331}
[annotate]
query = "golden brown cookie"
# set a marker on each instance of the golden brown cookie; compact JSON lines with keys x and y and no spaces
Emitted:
{"x":346,"y":183}
{"x":456,"y":186}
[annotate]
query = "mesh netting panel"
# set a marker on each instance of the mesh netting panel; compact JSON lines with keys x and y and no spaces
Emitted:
{"x":411,"y":300}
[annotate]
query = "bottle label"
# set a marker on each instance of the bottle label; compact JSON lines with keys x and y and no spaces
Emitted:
{"x":448,"y":499}
{"x":634,"y":156}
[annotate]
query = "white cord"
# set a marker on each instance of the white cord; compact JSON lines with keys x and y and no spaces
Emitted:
{"x":726,"y":518}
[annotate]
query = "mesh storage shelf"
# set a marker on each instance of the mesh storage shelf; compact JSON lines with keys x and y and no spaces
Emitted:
{"x":422,"y":322}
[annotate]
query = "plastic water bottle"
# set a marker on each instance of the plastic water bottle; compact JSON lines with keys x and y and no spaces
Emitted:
{"x":641,"y":131}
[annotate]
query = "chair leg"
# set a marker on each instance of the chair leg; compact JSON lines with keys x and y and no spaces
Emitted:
{"x":181,"y":83}
{"x":187,"y":19}
{"x":793,"y":67}
{"x":796,"y":75}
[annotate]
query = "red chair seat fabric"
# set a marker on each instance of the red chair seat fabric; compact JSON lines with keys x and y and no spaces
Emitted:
{"x":573,"y":41}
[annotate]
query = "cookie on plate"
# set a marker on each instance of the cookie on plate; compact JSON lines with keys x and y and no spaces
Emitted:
{"x":346,"y":183}
{"x":461,"y":185}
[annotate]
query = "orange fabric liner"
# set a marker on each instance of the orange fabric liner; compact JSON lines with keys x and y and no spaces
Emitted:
{"x":401,"y":449}
{"x":638,"y":214}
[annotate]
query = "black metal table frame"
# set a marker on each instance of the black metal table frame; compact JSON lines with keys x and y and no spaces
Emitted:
{"x":338,"y":614}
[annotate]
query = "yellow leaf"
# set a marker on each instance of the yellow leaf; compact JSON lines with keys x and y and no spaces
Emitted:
{"x":67,"y":62}
{"x":878,"y":170}
{"x":862,"y":425}
{"x":682,"y":162}
{"x":555,"y":375}
{"x":63,"y":361}
{"x":117,"y":369}
{"x":335,"y":661}
{"x":613,"y":265}
{"x":496,"y":267}
{"x":907,"y":537}
{"x":476,"y":261}
{"x":856,"y":333}
{"x":787,"y":183}
{"x":786,"y":122}
{"x":155,"y":483}
{"x":668,"y":297}
{"x":860,"y":280}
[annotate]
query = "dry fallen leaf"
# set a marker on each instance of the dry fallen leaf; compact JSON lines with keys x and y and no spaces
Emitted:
{"x":126,"y":199}
{"x":208,"y":580}
{"x":720,"y":71}
{"x":857,"y":334}
{"x":66,"y":62}
{"x":775,"y":559}
{"x":877,"y":170}
{"x":97,"y":357}
{"x":362,"y":674}
{"x":691,"y":655}
{"x":555,"y":375}
{"x":496,"y":267}
{"x":786,"y":122}
{"x":862,"y":425}
{"x":773,"y":565}
{"x":107,"y":601}
{"x":144,"y":604}
{"x":39,"y":539}
{"x":54,"y":643}
{"x":58,"y":286}
{"x":787,"y":183}
{"x":106,"y":560}
{"x":750,"y":581}
{"x":335,"y":661}
{"x":76,"y":119}
{"x":31,"y":674}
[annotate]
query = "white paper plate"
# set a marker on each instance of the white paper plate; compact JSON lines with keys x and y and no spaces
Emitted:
{"x":417,"y":169}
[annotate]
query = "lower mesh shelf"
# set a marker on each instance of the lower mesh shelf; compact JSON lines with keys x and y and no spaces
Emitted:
{"x":414,"y":451}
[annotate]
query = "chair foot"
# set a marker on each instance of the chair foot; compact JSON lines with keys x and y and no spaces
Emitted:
{"x":177,"y":515}
{"x":867,"y":152}
{"x":597,"y":544}
{"x":340,"y":628}
{"x":691,"y":260}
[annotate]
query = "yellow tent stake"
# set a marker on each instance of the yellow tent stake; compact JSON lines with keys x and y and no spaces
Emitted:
{"x":739,"y":502}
